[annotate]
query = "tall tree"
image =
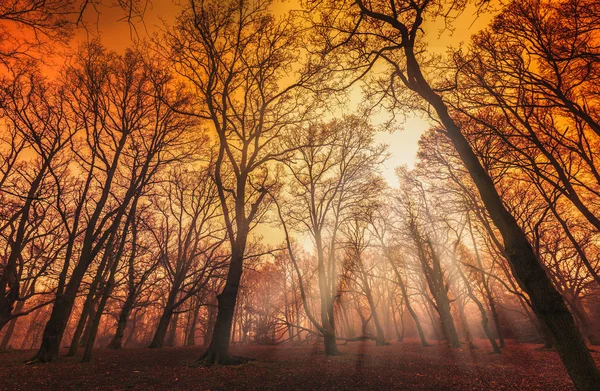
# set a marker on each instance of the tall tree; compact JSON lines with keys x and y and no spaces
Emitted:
{"x":244,"y":65}
{"x":391,"y":33}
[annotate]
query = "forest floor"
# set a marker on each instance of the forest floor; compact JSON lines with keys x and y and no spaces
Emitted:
{"x":362,"y":366}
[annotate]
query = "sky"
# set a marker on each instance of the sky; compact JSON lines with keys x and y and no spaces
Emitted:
{"x":117,"y":35}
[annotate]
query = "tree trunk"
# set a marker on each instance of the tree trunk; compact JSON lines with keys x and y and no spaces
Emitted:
{"x":547,"y":303}
{"x":172,"y":335}
{"x":87,"y":313}
{"x":94,"y":321}
{"x":132,"y":333}
{"x":191,"y":333}
{"x":465,"y":324}
{"x":380,"y":338}
{"x":496,"y":318}
{"x":435,"y":281}
{"x":11,"y":326}
{"x":327,"y":321}
{"x":218,"y":350}
{"x":163,"y":326}
{"x":331,"y":349}
{"x":117,"y":340}
{"x":56,"y":325}
{"x":409,"y":307}
{"x":399,"y":336}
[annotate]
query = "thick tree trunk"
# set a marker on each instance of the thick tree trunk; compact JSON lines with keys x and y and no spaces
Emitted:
{"x":55,"y":328}
{"x":61,"y":311}
{"x":448,"y":327}
{"x":161,"y":329}
{"x":218,"y":350}
{"x":547,"y":303}
{"x":331,"y":349}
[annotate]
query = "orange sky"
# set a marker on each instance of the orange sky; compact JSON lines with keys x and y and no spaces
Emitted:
{"x":117,"y":35}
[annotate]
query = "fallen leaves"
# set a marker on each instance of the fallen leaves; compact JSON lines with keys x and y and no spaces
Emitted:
{"x":362,"y":366}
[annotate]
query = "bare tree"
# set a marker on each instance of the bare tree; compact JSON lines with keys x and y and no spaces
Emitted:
{"x":239,"y":59}
{"x":390,"y":33}
{"x":116,"y":100}
{"x":333,"y":170}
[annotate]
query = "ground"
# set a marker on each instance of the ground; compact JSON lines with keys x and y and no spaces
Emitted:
{"x":362,"y":366}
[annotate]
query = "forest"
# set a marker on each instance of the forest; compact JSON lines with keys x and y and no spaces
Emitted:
{"x":301,"y":194}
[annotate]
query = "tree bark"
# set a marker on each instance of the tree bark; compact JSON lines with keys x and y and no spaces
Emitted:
{"x":117,"y":340}
{"x":547,"y":303}
{"x":218,"y":350}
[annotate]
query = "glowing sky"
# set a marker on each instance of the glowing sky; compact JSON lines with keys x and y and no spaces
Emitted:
{"x":117,"y":35}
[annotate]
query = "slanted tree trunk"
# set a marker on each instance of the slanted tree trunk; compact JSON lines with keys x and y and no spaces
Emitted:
{"x":29,"y":334}
{"x":435,"y":281}
{"x":547,"y":303}
{"x":380,"y":338}
{"x":399,"y":336}
{"x":117,"y":340}
{"x":94,"y":321}
{"x":8,"y":334}
{"x":472,"y":296}
{"x":163,"y":324}
{"x":87,"y":313}
{"x":4,"y":345}
{"x":407,"y":302}
{"x":465,"y":324}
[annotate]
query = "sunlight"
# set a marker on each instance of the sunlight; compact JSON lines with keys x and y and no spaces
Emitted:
{"x":331,"y":194}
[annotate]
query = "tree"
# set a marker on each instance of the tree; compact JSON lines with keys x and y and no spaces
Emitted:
{"x":190,"y":239}
{"x":333,"y":170}
{"x":115,"y":100}
{"x":37,"y":113}
{"x":238,"y":59}
{"x":391,"y":34}
{"x":29,"y":28}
